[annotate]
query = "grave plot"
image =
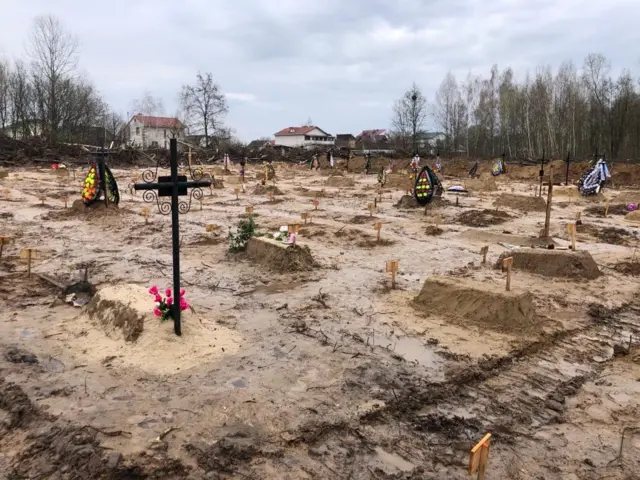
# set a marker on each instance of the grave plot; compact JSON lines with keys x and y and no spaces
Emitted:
{"x":339,"y":181}
{"x":485,"y":183}
{"x":280,"y":257}
{"x":481,"y":304}
{"x":520,"y":202}
{"x":553,"y":263}
{"x":482,"y":218}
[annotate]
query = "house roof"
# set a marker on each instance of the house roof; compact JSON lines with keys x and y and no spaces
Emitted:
{"x":344,"y":136}
{"x":158,"y":122}
{"x":297,"y":131}
{"x":378,"y":132}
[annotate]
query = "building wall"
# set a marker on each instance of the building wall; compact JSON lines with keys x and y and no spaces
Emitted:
{"x":149,"y":137}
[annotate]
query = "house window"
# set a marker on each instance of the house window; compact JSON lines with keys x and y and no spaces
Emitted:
{"x":137,"y":130}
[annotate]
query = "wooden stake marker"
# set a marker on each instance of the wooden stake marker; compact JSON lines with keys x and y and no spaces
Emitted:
{"x":371,"y":208}
{"x":392,"y":268}
{"x":42,"y":198}
{"x":377,"y":226}
{"x":479,"y":457}
{"x":306,"y":216}
{"x":28,"y":254}
{"x":316,"y":202}
{"x":483,"y":251}
{"x":248,"y":210}
{"x":571,"y":228}
{"x":237,"y":192}
{"x":547,"y":218}
{"x":293,"y":228}
{"x":270,"y":196}
{"x":66,"y":202}
{"x":145,"y":212}
{"x":507,"y":263}
{"x":606,"y":207}
{"x":4,"y":241}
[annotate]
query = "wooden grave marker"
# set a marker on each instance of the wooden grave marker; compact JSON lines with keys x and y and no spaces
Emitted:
{"x":66,"y":201}
{"x":316,"y":202}
{"x":571,"y":229}
{"x":479,"y":457}
{"x":145,"y":212}
{"x":372,"y":208}
{"x":547,"y":218}
{"x":4,"y":241}
{"x":392,"y":268}
{"x":483,"y":251}
{"x":270,"y":196}
{"x":507,"y":263}
{"x":42,"y":198}
{"x":306,"y":216}
{"x":293,"y":228}
{"x":248,"y":210}
{"x":377,"y":227}
{"x":237,"y":192}
{"x":606,"y":207}
{"x":28,"y":254}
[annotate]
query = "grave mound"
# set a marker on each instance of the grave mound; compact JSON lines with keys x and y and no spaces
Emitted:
{"x":265,"y":189}
{"x":627,"y":196}
{"x":484,"y":183}
{"x":553,"y":263}
{"x":486,"y":305}
{"x":128,"y":332}
{"x":271,"y":174}
{"x":338,"y":181}
{"x":482,"y":218}
{"x":521,"y":202}
{"x":280,"y":257}
{"x":433,"y":230}
{"x":570,"y":191}
{"x":397,"y":180}
{"x":407,"y":201}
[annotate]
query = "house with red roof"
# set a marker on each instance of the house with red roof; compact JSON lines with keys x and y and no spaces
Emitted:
{"x":308,"y":136}
{"x":147,"y":131}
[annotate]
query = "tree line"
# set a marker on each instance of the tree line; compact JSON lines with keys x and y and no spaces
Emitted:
{"x":571,"y":110}
{"x":45,"y":95}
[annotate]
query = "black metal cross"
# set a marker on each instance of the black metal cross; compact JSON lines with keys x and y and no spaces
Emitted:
{"x":174,"y":186}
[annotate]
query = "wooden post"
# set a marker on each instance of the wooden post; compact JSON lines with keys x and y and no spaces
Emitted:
{"x":66,"y":202}
{"x":189,"y":157}
{"x":3,"y":241}
{"x":377,"y":226}
{"x":305,"y":216}
{"x":270,"y":196}
{"x":571,"y":228}
{"x":483,"y":251}
{"x":479,"y":457}
{"x":606,"y":207}
{"x":28,"y":254}
{"x":371,"y":208}
{"x":506,"y":264}
{"x":547,"y":218}
{"x":237,"y":192}
{"x":248,"y":210}
{"x":42,"y":198}
{"x":145,"y":213}
{"x":579,"y":218}
{"x":315,"y":203}
{"x":392,"y":267}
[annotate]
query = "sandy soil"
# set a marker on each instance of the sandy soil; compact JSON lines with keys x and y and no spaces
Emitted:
{"x":325,"y":372}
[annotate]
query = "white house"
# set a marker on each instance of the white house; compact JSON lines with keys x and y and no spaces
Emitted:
{"x":303,"y":137}
{"x":151,"y":132}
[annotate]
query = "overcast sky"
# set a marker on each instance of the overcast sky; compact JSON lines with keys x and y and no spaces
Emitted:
{"x":340,"y":63}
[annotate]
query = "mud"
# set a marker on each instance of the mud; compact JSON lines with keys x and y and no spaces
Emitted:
{"x":521,"y":202}
{"x":482,"y":218}
{"x":315,"y":373}
{"x":628,"y":268}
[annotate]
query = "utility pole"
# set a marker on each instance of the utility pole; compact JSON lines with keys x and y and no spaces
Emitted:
{"x":414,"y":121}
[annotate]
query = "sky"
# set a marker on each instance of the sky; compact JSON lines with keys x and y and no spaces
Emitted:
{"x":341,"y":64}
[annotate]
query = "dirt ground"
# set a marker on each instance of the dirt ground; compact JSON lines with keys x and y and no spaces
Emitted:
{"x":325,"y":372}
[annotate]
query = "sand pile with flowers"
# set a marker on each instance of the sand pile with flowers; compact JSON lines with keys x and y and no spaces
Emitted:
{"x":124,"y":324}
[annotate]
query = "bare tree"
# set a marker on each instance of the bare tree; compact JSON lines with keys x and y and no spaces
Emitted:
{"x":147,"y":104}
{"x":409,"y":115}
{"x":4,"y":95}
{"x":53,"y":52}
{"x":204,"y":105}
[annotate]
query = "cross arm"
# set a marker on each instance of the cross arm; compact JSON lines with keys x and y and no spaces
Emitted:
{"x":157,"y":186}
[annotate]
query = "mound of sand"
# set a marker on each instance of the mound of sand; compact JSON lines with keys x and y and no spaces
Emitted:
{"x":118,"y":323}
{"x":486,"y":305}
{"x":482,"y":218}
{"x":280,"y":257}
{"x":339,"y":181}
{"x":270,"y":175}
{"x":521,"y":202}
{"x":553,"y":263}
{"x":633,"y":216}
{"x":407,"y":201}
{"x":264,"y":189}
{"x":570,"y":191}
{"x":627,"y":196}
{"x":395,"y":180}
{"x":485,"y":183}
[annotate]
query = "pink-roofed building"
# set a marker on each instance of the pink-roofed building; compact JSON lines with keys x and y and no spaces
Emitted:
{"x":309,"y":136}
{"x":148,"y":132}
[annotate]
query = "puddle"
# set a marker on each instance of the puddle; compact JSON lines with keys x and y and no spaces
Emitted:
{"x":239,"y":383}
{"x":390,"y":463}
{"x":412,"y":350}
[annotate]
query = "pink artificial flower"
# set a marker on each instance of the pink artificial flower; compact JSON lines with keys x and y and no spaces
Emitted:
{"x":157,"y":312}
{"x":153,"y":290}
{"x":168,"y":292}
{"x":183,"y":304}
{"x":158,"y":298}
{"x":182,"y":292}
{"x":169,"y":301}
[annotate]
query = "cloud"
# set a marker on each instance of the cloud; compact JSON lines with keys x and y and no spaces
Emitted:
{"x":343,"y":67}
